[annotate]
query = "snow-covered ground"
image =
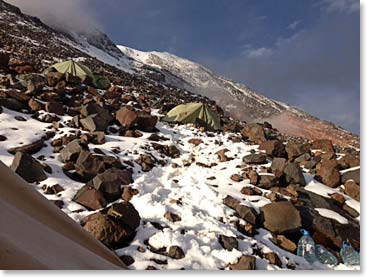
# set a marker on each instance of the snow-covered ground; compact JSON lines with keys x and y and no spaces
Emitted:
{"x":192,"y":191}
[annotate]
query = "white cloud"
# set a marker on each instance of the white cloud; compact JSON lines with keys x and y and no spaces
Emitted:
{"x":294,"y":24}
{"x":257,"y":52}
{"x":346,"y":6}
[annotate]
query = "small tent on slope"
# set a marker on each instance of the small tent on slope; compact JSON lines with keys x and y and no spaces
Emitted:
{"x":74,"y":68}
{"x":197,"y":113}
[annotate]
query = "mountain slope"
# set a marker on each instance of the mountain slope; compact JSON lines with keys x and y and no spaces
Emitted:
{"x":162,"y":196}
{"x":240,"y":101}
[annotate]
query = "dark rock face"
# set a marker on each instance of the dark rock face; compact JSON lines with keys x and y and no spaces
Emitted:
{"x":90,"y":198}
{"x":228,"y":243}
{"x":94,"y":123}
{"x":245,"y":262}
{"x":293,"y":174}
{"x":328,"y":173}
{"x":125,"y":212}
{"x":246,"y":213}
{"x":28,"y":168}
{"x":255,"y":159}
{"x":281,"y":217}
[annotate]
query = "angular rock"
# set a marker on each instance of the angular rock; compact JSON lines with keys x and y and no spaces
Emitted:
{"x":28,"y":168}
{"x":172,"y":217}
{"x":245,"y":262}
{"x":328,"y":173}
{"x":175,"y":252}
{"x":273,"y":148}
{"x":11,"y":104}
{"x":228,"y":243}
{"x":55,"y":107}
{"x":273,"y":258}
{"x":110,"y":181}
{"x":255,"y":159}
{"x":296,"y":149}
{"x":246,"y":213}
{"x":278,"y":165}
{"x":293,"y":174}
{"x":352,"y":189}
{"x":126,"y":117}
{"x":88,"y":165}
{"x":95,"y":109}
{"x":285,"y":243}
{"x":146,"y":122}
{"x":94,"y":123}
{"x":281,"y":217}
{"x":267,"y":181}
{"x":222,"y":156}
{"x":128,"y":193}
{"x":34,"y":106}
{"x":125,"y":212}
{"x":195,"y":141}
{"x":90,"y":198}
{"x":72,"y":150}
{"x":254,"y":132}
{"x":348,"y":161}
{"x":31,"y":148}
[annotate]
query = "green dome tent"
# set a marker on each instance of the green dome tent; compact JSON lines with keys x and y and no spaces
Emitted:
{"x":76,"y":69}
{"x":197,"y":113}
{"x":73,"y":68}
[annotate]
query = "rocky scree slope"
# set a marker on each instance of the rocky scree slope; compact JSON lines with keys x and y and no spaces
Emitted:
{"x":165,"y":196}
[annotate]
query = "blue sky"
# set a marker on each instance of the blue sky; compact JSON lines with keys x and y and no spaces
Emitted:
{"x":302,"y":52}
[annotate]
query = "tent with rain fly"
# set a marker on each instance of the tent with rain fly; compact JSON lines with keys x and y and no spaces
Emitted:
{"x":197,"y":113}
{"x":73,"y":68}
{"x":77,"y":69}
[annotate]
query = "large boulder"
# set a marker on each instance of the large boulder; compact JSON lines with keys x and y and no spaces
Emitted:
{"x":267,"y":181}
{"x":109,"y":182}
{"x":72,"y":150}
{"x":94,"y":108}
{"x":328,"y":173}
{"x":90,"y":198}
{"x":94,"y":123}
{"x":55,"y":107}
{"x":126,"y":116}
{"x":273,"y":148}
{"x":255,"y":159}
{"x":254,"y":132}
{"x":88,"y":165}
{"x":348,"y":161}
{"x":28,"y":168}
{"x":114,"y":227}
{"x":281,"y":217}
{"x":146,"y":122}
{"x":296,"y":149}
{"x":293,"y":174}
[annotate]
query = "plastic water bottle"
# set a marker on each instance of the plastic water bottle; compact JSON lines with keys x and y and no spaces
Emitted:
{"x":349,"y":255}
{"x":325,"y":256}
{"x":306,"y":247}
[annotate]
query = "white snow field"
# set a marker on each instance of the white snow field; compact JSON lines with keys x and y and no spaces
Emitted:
{"x":182,"y":187}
